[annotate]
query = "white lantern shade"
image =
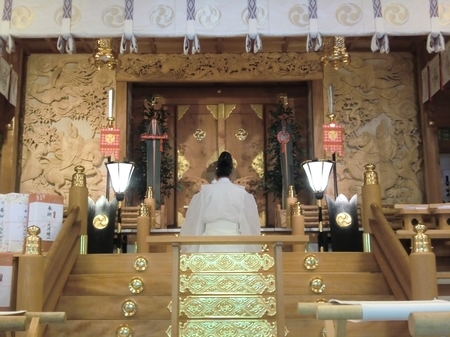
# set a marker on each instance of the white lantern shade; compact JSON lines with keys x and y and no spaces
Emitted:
{"x":120,"y":175}
{"x":318,"y":173}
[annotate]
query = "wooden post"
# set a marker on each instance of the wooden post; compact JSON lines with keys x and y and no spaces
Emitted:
{"x":30,"y":283}
{"x":298,"y":225}
{"x":371,"y":193}
{"x":143,"y":229}
{"x":423,"y":267}
{"x":78,"y":196}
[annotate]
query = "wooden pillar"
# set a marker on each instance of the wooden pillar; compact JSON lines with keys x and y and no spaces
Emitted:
{"x":318,"y":117}
{"x":30,"y":283}
{"x":121,"y":104}
{"x":429,"y":132}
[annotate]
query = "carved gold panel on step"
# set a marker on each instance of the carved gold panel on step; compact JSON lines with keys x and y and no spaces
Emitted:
{"x":231,"y":262}
{"x":235,"y":328}
{"x":228,"y":306}
{"x":225,"y":284}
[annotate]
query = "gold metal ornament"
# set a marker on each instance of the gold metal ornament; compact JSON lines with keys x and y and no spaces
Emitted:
{"x":343,"y":219}
{"x":370,"y":176}
{"x":100,"y":221}
{"x":258,"y":164}
{"x":195,"y":328}
{"x":105,"y":53}
{"x":241,"y":134}
{"x":129,"y":308}
{"x":230,"y":263}
{"x":228,"y":306}
{"x":310,"y":262}
{"x":33,"y":243}
{"x":317,"y":285}
{"x":136,"y":285}
{"x":297,"y":208}
{"x":339,"y":56}
{"x":421,"y":242}
{"x":215,"y":283}
{"x":199,"y":134}
{"x":124,"y":331}
{"x":79,"y":177}
{"x":140,"y":264}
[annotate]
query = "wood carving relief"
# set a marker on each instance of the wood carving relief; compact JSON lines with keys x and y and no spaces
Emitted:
{"x":375,"y":102}
{"x":219,"y":67}
{"x":65,"y":107}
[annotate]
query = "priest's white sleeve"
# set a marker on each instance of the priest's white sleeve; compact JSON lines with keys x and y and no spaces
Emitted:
{"x":193,"y":224}
{"x":249,"y":221}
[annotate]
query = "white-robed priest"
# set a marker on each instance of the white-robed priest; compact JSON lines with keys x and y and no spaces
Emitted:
{"x":222,"y":209}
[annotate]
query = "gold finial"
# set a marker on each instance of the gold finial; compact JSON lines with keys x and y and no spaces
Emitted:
{"x":421,"y":242}
{"x":110,"y":122}
{"x":370,"y":176}
{"x":32,"y":244}
{"x":79,"y":177}
{"x":297,"y":208}
{"x":291,"y":192}
{"x":149,"y":194}
{"x":143,"y":209}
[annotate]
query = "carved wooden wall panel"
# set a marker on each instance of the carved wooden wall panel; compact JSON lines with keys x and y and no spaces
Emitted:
{"x":219,"y":67}
{"x":65,"y":108}
{"x":375,"y":101}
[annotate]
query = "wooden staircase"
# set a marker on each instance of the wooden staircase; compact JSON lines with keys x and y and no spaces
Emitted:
{"x":99,"y":285}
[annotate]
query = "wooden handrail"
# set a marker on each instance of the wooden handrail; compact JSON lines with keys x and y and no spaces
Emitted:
{"x":57,"y":257}
{"x":238,"y":239}
{"x":421,"y":324}
{"x":30,"y":321}
{"x":391,"y":248}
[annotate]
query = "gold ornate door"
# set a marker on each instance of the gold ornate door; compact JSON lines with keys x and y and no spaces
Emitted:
{"x":203,"y":131}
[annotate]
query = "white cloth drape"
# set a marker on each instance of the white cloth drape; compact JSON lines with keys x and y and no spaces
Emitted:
{"x":218,"y":18}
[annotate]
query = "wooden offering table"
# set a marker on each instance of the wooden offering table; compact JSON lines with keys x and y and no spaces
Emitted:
{"x":412,"y":214}
{"x":442,"y":212}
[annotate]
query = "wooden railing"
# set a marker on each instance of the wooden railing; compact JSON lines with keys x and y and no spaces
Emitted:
{"x":40,"y":279}
{"x":60,"y":259}
{"x":390,"y":255}
{"x":29,"y":322}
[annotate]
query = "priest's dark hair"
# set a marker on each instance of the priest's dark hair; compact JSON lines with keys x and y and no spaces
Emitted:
{"x":224,"y":165}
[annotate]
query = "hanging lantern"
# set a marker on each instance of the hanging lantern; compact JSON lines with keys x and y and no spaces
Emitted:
{"x":332,"y":133}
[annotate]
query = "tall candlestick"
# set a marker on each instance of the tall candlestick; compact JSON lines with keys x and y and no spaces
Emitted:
{"x":110,"y":102}
{"x":330,"y":99}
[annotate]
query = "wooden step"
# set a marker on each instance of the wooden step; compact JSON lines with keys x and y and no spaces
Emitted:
{"x":158,"y":328}
{"x":99,"y":284}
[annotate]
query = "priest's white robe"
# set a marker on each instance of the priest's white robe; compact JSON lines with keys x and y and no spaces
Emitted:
{"x":221,"y":209}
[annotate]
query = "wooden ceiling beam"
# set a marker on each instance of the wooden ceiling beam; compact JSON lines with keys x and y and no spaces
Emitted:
{"x":87,"y":48}
{"x":352,"y":43}
{"x":285,"y":46}
{"x":23,"y":45}
{"x":152,"y":44}
{"x":219,"y":45}
{"x":52,"y":45}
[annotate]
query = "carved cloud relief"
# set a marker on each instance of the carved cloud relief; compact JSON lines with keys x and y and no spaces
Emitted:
{"x":374,"y":100}
{"x":65,"y":108}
